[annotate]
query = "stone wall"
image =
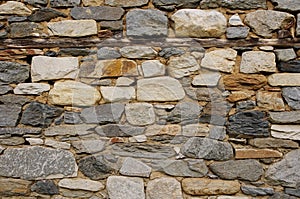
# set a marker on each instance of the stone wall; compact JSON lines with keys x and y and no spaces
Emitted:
{"x":155,"y":99}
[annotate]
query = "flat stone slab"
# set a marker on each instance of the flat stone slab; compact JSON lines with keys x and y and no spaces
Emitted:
{"x":284,"y":79}
{"x":36,"y":163}
{"x":291,"y":117}
{"x":31,"y":88}
{"x":98,"y":13}
{"x":162,"y":188}
{"x":291,"y":132}
{"x":14,"y":8}
{"x":82,"y":184}
{"x":134,"y":167}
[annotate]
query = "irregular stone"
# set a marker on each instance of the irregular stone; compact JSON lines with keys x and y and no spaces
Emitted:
{"x":289,"y":5}
{"x":133,"y":167}
{"x":273,"y":143}
{"x":12,"y":141}
{"x":285,"y":172}
{"x":73,"y":93}
{"x":208,"y":149}
{"x":50,"y":68}
{"x":281,"y":196}
{"x":138,"y":150}
{"x":182,"y":66}
{"x":293,"y":192}
{"x":118,"y":130}
{"x":238,"y":82}
{"x":64,"y":3}
{"x":270,"y":100}
{"x":117,"y":94}
{"x":164,"y":187}
{"x":198,"y":130}
{"x":88,"y":146}
{"x":82,"y":184}
{"x":291,"y":96}
{"x":170,"y":51}
{"x":75,"y":51}
{"x":248,"y":123}
{"x":10,"y":131}
{"x":284,"y":79}
{"x":256,"y":191}
{"x":9,"y":115}
{"x":109,"y":68}
{"x":13,"y":187}
{"x":26,"y":29}
{"x":98,"y":13}
{"x":112,"y":25}
{"x":236,"y":96}
{"x":170,"y":5}
{"x":245,"y":105}
{"x":273,"y":20}
{"x":220,"y":60}
{"x":47,"y":187}
{"x":235,"y":4}
{"x":185,"y":113}
{"x":103,"y":114}
{"x":57,"y":145}
{"x":14,"y":8}
{"x":292,"y":66}
{"x":37,"y":3}
{"x":256,"y":153}
{"x":98,"y":166}
{"x":206,"y":79}
{"x":71,"y":130}
{"x":125,"y":3}
{"x":73,"y":28}
{"x":169,"y":129}
{"x":249,"y":170}
{"x":16,"y":19}
{"x":137,"y":23}
{"x":40,"y":115}
{"x":5,"y":89}
{"x":12,"y":72}
{"x":140,"y":114}
{"x":237,"y":32}
{"x":35,"y":141}
{"x":92,"y":2}
{"x":138,"y":52}
{"x":125,"y":187}
{"x":37,"y":162}
{"x":67,"y":193}
{"x":124,"y":81}
{"x":217,"y":133}
{"x":258,"y":61}
{"x":72,"y":118}
{"x":45,"y":14}
{"x":202,"y":186}
{"x":108,"y":53}
{"x":138,"y":138}
{"x":291,"y":117}
{"x":298,"y":25}
{"x":235,"y":20}
{"x":196,"y":23}
{"x":153,"y":68}
{"x":31,"y":88}
{"x":159,"y":89}
{"x":285,"y":54}
{"x":12,"y":99}
{"x":291,"y":132}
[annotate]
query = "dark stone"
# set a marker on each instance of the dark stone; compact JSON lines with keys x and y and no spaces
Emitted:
{"x":26,"y":29}
{"x":249,"y":170}
{"x":112,"y":25}
{"x":103,"y":114}
{"x":2,"y":25}
{"x":75,"y":51}
{"x":245,"y":105}
{"x":168,"y":139}
{"x":11,"y":72}
{"x":16,"y":19}
{"x":45,"y":187}
{"x":170,"y":5}
{"x":20,"y":131}
{"x":290,"y":66}
{"x":139,"y":150}
{"x":234,"y":4}
{"x":212,"y":119}
{"x":108,"y":53}
{"x":98,"y":167}
{"x":237,"y":32}
{"x":207,"y":149}
{"x":293,"y":192}
{"x":51,"y":53}
{"x":281,"y":196}
{"x":13,"y":99}
{"x":98,"y":13}
{"x":117,"y":130}
{"x":37,"y":3}
{"x":3,"y":34}
{"x":40,"y":115}
{"x":64,"y":3}
{"x":185,"y":113}
{"x":9,"y":115}
{"x":5,"y":89}
{"x":290,"y":5}
{"x":170,"y":51}
{"x":292,"y":96}
{"x":250,"y":123}
{"x":45,"y":14}
{"x":72,"y":118}
{"x":256,"y":191}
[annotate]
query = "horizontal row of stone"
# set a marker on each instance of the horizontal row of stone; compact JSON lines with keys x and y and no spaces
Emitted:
{"x":187,"y":22}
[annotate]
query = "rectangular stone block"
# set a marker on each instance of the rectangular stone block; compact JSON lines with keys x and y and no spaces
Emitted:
{"x":256,"y":153}
{"x":284,"y":79}
{"x":291,"y":132}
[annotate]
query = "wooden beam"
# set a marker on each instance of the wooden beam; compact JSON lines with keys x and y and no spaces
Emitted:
{"x":97,"y":42}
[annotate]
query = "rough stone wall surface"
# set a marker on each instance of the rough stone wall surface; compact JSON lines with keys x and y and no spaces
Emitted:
{"x":158,"y":108}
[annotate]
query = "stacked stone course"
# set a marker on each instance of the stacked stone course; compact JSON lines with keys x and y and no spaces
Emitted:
{"x":155,"y":99}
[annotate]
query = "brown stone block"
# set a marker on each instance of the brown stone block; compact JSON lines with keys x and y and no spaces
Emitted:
{"x":243,"y":82}
{"x":256,"y":153}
